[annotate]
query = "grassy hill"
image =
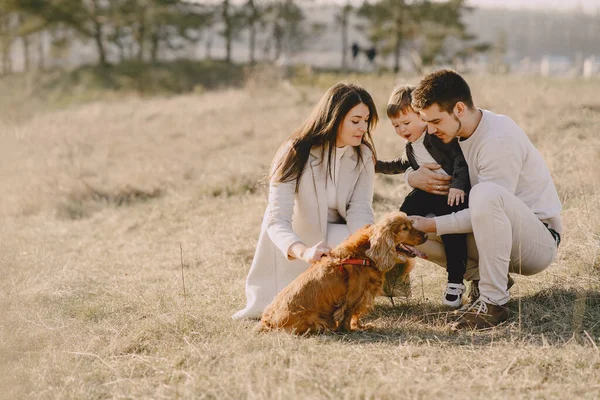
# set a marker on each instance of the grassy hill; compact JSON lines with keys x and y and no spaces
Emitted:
{"x":128,"y":225}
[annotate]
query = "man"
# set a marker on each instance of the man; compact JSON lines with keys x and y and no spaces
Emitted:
{"x":514,"y":209}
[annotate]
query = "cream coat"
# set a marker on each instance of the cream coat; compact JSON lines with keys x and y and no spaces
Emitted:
{"x":291,"y":217}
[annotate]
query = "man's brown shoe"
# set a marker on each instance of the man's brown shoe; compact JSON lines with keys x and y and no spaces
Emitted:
{"x":481,"y":315}
{"x":473,"y":292}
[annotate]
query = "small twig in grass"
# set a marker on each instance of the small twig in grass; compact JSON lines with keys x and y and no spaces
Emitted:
{"x":93,"y":355}
{"x":591,"y":341}
{"x":587,"y":211}
{"x":183,"y":277}
{"x":44,"y":242}
{"x":581,"y":183}
{"x":509,"y":366}
{"x":545,"y":341}
{"x":520,"y":271}
{"x":117,"y":381}
{"x":580,"y":302}
{"x":437,"y":313}
{"x":579,"y":307}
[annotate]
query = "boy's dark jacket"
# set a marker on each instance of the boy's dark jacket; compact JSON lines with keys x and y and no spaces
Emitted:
{"x":449,"y":156}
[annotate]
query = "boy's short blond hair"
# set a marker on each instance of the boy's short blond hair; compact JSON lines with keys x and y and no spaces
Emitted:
{"x":400,"y":101}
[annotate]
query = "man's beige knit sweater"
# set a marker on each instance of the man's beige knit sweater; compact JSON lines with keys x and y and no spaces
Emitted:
{"x":500,"y":152}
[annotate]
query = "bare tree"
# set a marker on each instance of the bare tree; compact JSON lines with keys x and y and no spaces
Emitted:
{"x":388,"y":24}
{"x":232,"y":19}
{"x":7,"y":36}
{"x":342,"y":19}
{"x":255,"y":17}
{"x":393,"y":23}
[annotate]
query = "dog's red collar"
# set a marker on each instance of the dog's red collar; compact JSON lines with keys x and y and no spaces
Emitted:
{"x":356,"y":261}
{"x":353,"y":261}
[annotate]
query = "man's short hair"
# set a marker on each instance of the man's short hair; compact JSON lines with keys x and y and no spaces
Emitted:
{"x":444,"y":87}
{"x":400,"y":101}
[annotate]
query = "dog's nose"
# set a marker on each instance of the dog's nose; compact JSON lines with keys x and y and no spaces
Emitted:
{"x":425,"y":237}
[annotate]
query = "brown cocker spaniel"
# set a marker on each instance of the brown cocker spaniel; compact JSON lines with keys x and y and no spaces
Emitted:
{"x":336,"y":291}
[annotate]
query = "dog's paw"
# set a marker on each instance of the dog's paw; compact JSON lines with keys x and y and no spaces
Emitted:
{"x":363,"y":327}
{"x":367,"y":327}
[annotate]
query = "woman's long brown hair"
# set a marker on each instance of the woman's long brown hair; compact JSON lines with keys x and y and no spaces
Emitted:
{"x":321,"y":128}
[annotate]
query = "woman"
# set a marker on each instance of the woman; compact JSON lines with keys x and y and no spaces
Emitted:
{"x":321,"y":190}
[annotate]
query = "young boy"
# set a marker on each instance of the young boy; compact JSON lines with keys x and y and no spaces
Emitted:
{"x":423,"y":148}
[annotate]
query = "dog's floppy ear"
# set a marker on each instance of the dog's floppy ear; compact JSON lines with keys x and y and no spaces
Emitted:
{"x":383,"y":248}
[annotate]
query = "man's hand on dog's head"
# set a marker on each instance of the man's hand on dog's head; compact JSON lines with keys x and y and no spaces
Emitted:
{"x":423,"y":224}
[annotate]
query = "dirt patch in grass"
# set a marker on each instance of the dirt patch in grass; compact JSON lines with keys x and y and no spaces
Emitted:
{"x":86,"y":199}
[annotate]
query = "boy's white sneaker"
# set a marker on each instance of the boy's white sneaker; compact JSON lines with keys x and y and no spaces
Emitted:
{"x":453,"y":294}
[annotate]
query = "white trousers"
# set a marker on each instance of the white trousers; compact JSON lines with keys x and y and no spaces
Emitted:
{"x":507,"y":236}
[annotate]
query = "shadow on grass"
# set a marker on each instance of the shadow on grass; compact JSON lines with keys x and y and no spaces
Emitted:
{"x":550,"y":317}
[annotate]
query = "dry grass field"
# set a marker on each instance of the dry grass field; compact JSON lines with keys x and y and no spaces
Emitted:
{"x":104,"y":204}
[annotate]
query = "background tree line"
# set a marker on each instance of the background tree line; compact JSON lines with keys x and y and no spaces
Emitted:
{"x":535,"y":33}
{"x":151,"y":30}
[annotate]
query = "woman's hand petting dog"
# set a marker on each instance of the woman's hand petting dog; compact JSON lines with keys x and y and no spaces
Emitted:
{"x":336,"y":291}
{"x":313,"y":254}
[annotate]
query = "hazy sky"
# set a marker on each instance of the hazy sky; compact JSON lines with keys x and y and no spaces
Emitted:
{"x":558,"y":5}
{"x":587,"y":5}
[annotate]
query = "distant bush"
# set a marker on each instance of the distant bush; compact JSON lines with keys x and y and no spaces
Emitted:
{"x":179,"y":76}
